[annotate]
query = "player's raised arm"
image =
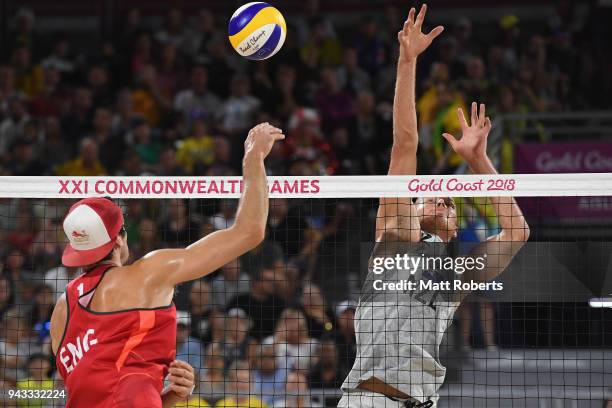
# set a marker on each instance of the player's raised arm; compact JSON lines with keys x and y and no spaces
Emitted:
{"x":397,"y":216}
{"x":173,"y":266}
{"x":472,"y":146}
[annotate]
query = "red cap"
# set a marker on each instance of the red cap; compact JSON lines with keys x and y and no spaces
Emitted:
{"x":92,"y":225}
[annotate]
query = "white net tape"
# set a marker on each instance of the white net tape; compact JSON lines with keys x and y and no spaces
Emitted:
{"x":518,"y":185}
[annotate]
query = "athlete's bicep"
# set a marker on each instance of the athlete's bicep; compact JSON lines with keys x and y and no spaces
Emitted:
{"x":58,"y":322}
{"x":174,"y":266}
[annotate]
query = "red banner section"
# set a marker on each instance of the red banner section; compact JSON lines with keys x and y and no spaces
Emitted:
{"x":586,"y":157}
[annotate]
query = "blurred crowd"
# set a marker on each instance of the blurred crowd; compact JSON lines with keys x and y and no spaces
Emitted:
{"x":174,"y":99}
{"x":259,"y":329}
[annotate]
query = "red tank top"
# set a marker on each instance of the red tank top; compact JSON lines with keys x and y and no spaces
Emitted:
{"x":114,"y":359}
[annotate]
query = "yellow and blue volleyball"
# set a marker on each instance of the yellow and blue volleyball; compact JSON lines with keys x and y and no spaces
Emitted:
{"x":257,"y":30}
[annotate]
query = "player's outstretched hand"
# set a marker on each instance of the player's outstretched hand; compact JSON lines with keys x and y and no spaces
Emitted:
{"x":261,"y":139}
{"x":412,"y":40}
{"x":473,"y":143}
{"x":181,"y":377}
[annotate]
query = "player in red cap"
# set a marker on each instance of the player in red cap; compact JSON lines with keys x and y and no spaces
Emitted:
{"x":114,"y":329}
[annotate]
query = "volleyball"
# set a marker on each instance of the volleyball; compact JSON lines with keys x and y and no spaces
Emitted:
{"x":257,"y":30}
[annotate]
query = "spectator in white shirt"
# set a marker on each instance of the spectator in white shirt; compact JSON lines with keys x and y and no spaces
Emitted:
{"x":57,"y":278}
{"x":239,"y":112}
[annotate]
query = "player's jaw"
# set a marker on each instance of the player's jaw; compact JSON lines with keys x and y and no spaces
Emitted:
{"x":438,"y":215}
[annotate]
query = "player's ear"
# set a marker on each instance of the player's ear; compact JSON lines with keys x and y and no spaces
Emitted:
{"x":120,"y":240}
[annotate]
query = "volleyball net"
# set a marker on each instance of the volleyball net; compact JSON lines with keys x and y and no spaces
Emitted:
{"x":276,"y":327}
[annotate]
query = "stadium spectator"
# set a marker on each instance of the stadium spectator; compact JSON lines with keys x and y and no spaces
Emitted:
{"x":261,"y":304}
{"x":290,"y":230}
{"x":238,"y":112}
{"x":11,"y":128}
{"x":147,"y":96}
{"x":296,"y":393}
{"x":99,"y":82}
{"x":57,"y":278}
{"x":371,"y":49}
{"x":146,"y":240}
{"x":55,"y":149}
{"x":200,"y":310}
{"x":174,"y":30}
{"x":7,"y":85}
{"x":239,"y":387}
{"x":226,"y":215}
{"x":289,"y":276}
{"x":16,"y":270}
{"x":294,"y":346}
{"x":42,"y":307}
{"x":198,"y":149}
{"x":326,"y":373}
{"x":179,"y":226}
{"x":202,"y":33}
{"x":111,"y":145}
{"x":38,"y":369}
{"x":197,"y":102}
{"x":87,"y":164}
{"x":53,"y":97}
{"x":225,"y":162}
{"x":345,"y":335}
{"x":178,"y":235}
{"x":23,"y":33}
{"x":17,"y":343}
{"x":60,"y":58}
{"x":123,"y":112}
{"x":212,"y":374}
{"x":171,"y":75}
{"x":475,"y":85}
{"x":29,"y":76}
{"x":25,"y":161}
{"x":322,"y":49}
{"x":319,"y":317}
{"x":351,"y":77}
{"x":143,"y":144}
{"x":334,"y":103}
{"x":76,"y":120}
{"x":236,"y":342}
{"x":168,"y":164}
{"x":269,"y":375}
{"x":231,"y":282}
{"x":188,"y":348}
{"x":7,"y":296}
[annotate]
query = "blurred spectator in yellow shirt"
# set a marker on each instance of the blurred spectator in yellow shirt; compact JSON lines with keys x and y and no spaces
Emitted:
{"x":38,"y":368}
{"x":148,"y":99}
{"x":322,"y":48}
{"x":437,"y":109}
{"x":29,"y":78}
{"x":197,"y":149}
{"x":87,"y":164}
